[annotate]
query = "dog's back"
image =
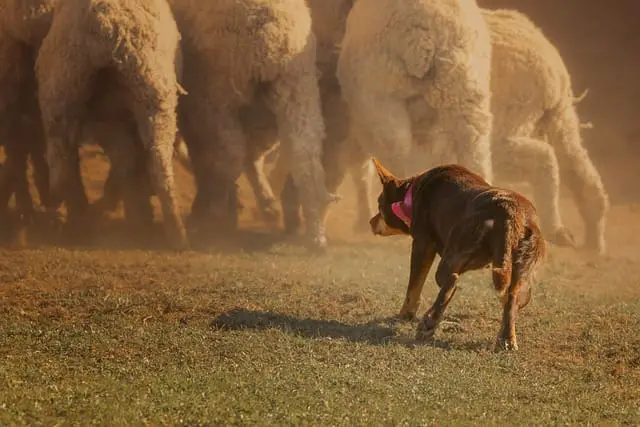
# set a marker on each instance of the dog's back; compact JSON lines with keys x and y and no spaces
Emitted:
{"x":453,"y":212}
{"x":479,"y":224}
{"x":512,"y":235}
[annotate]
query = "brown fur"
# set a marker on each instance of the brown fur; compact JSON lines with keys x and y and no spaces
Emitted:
{"x":470,"y":224}
{"x":136,"y":44}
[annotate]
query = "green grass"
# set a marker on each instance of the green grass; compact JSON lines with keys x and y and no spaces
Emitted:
{"x":278,"y":338}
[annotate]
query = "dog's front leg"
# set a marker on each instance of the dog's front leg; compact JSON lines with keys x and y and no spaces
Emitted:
{"x":446,"y":279}
{"x":422,"y":256}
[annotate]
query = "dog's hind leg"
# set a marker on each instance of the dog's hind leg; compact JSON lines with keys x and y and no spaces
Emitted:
{"x":446,"y":278}
{"x":507,"y":337}
{"x":530,"y":251}
{"x":422,"y":256}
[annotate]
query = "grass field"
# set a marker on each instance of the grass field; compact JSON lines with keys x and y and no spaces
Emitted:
{"x":267,"y":335}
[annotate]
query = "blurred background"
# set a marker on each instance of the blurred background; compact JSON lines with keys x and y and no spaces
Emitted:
{"x":599,"y":41}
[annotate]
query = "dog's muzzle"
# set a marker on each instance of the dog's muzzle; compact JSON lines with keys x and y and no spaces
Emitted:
{"x":379,"y":227}
{"x":374,"y":224}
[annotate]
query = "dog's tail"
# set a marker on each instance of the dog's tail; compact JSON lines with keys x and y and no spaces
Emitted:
{"x":519,"y":249}
{"x":530,"y":252}
{"x":509,"y":230}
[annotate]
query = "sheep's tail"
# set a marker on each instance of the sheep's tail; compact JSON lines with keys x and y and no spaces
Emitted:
{"x":563,"y":130}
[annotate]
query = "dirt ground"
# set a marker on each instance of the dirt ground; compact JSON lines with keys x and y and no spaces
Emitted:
{"x":258,"y":332}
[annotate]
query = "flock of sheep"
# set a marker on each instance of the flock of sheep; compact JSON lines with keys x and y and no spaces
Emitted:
{"x":328,"y":83}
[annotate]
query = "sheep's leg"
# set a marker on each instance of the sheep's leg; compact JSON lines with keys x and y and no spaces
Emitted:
{"x":198,"y":132}
{"x":62,"y":94}
{"x":113,"y":138}
{"x":9,"y":136}
{"x":282,"y":182}
{"x":155,"y":114}
{"x":361,"y":173}
{"x":39,"y":162}
{"x":128,"y":180}
{"x":15,"y":78}
{"x":279,"y":173}
{"x":362,"y":183}
{"x":579,"y":174}
{"x":266,"y":201}
{"x":228,"y":164}
{"x":16,"y":166}
{"x":535,"y":161}
{"x":296,"y":105}
{"x":291,"y":206}
{"x":335,"y":167}
{"x":16,"y":182}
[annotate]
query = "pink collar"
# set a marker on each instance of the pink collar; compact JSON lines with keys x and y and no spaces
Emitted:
{"x":403,"y":209}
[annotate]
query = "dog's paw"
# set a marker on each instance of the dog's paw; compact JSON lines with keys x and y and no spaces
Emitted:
{"x":270,"y":215}
{"x":406,"y":315}
{"x":506,"y":344}
{"x":426,"y":330}
{"x":316,"y":245}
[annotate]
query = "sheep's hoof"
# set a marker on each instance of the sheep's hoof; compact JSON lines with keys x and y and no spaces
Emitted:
{"x":101,"y":207}
{"x":179,"y":243}
{"x":317,"y":245}
{"x":270,"y":215}
{"x":20,"y":240}
{"x":563,"y":237}
{"x":176,"y":235}
{"x":595,"y":243}
{"x":292,"y":225}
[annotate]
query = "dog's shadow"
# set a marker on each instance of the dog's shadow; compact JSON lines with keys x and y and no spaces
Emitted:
{"x":372,"y":332}
{"x":378,"y":331}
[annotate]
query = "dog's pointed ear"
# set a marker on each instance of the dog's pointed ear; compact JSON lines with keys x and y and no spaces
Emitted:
{"x":383,"y":173}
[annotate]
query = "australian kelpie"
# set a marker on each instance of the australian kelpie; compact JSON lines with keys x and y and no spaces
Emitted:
{"x":453,"y":212}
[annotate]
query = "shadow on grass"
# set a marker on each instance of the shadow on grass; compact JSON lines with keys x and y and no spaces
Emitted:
{"x":379,"y":331}
{"x":371,"y":332}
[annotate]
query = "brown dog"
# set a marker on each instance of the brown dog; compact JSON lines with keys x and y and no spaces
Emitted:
{"x":452,"y":212}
